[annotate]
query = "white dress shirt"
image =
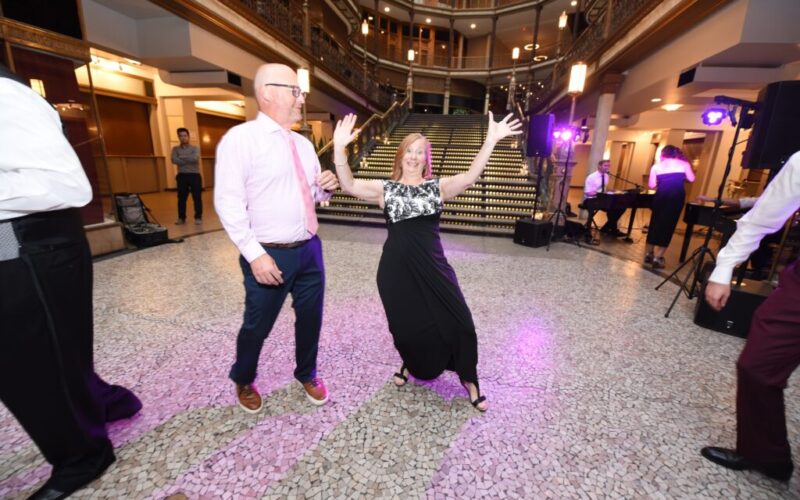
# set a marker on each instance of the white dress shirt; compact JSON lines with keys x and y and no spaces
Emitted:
{"x":780,"y":200}
{"x":595,"y":183}
{"x":255,"y":185}
{"x":39,"y":170}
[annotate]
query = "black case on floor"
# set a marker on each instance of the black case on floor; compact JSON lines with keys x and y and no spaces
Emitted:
{"x":735,"y":317}
{"x":532,"y":233}
{"x":138,"y":228}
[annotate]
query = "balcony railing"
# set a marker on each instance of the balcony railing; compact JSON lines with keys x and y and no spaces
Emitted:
{"x":286,"y":16}
{"x":468,"y":4}
{"x":593,"y":41}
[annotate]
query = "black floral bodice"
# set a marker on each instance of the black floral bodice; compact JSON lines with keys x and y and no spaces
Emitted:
{"x":402,"y":201}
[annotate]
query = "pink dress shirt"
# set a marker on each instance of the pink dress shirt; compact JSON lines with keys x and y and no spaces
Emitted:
{"x":255,"y":186}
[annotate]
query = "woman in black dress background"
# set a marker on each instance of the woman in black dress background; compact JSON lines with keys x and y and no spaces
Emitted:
{"x":667,"y":177}
{"x":428,"y":317}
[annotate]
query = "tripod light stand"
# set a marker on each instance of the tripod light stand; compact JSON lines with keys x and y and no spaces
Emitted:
{"x":698,"y":256}
{"x":567,"y":135}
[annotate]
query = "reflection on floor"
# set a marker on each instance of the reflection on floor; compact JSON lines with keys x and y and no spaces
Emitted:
{"x":593,"y":392}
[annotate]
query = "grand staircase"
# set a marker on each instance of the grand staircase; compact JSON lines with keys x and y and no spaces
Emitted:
{"x":490,"y":207}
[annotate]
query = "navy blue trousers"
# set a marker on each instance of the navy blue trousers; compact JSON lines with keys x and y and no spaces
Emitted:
{"x":303,"y":278}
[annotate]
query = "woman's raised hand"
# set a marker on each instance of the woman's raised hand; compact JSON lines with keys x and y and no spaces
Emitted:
{"x":503,"y":128}
{"x":344,"y":133}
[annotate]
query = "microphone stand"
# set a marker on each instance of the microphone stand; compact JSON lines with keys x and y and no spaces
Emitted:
{"x":638,"y":186}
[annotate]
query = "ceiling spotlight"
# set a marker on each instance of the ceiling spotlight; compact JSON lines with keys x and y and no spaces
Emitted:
{"x":473,"y":26}
{"x":671,"y":107}
{"x":655,"y":99}
{"x":386,"y":9}
{"x":714,"y":116}
{"x":574,"y":3}
{"x":428,"y":20}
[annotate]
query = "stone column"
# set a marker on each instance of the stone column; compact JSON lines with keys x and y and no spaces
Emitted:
{"x":605,"y":105}
{"x":446,"y":108}
{"x":490,"y":44}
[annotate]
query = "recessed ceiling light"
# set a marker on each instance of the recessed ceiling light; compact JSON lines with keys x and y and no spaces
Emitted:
{"x":529,"y":47}
{"x":473,"y":25}
{"x":540,"y":58}
{"x":370,"y":18}
{"x":386,"y":9}
{"x":672,"y":107}
{"x":428,"y":20}
{"x":574,"y":3}
{"x":655,"y":99}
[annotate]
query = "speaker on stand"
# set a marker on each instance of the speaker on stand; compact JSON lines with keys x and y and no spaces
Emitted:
{"x":530,"y":231}
{"x":774,"y":137}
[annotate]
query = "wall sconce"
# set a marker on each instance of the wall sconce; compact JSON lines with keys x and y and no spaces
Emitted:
{"x":304,"y":80}
{"x":562,"y":20}
{"x":577,"y":78}
{"x":365,"y":28}
{"x":38,"y":86}
{"x":410,"y":55}
{"x":515,"y":53}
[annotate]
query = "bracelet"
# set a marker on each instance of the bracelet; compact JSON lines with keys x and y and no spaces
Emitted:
{"x":341,"y":165}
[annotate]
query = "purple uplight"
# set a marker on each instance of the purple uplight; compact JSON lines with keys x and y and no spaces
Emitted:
{"x":714,"y":116}
{"x":564,"y":134}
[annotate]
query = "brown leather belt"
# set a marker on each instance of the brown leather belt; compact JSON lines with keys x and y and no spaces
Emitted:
{"x":293,"y":244}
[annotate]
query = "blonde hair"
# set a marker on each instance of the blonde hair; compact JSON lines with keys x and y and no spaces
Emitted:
{"x":397,"y":168}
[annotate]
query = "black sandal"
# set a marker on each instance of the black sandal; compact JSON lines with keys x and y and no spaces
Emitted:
{"x":477,"y":401}
{"x":399,"y":376}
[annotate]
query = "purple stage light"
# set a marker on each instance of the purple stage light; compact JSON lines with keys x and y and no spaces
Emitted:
{"x":564,"y":134}
{"x":714,"y":116}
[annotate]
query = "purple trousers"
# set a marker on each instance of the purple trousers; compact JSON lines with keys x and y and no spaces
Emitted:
{"x":771,"y":354}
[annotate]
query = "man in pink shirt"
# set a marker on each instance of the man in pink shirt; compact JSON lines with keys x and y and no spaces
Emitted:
{"x":267,"y":181}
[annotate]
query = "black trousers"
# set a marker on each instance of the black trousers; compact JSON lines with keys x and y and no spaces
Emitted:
{"x":771,"y":354}
{"x":47,"y":377}
{"x":190,"y":183}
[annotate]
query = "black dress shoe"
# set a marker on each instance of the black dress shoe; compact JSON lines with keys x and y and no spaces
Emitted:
{"x":45,"y":493}
{"x":732,"y":460}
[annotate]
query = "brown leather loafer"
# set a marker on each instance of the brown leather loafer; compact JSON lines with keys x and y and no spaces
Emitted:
{"x":316,"y":392}
{"x":249,"y":398}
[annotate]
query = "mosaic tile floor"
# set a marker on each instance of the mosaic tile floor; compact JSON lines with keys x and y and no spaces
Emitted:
{"x":593,"y":392}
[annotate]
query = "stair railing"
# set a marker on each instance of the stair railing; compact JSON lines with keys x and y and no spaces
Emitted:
{"x":376,"y":128}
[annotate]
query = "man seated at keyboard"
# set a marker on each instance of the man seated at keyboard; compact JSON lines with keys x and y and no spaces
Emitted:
{"x":597,"y":182}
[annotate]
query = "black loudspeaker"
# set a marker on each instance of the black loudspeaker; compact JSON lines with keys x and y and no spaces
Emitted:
{"x":735,"y":317}
{"x":540,"y":135}
{"x":774,"y":137}
{"x":532,"y":233}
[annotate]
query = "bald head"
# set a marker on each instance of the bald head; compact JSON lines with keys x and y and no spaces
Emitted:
{"x":276,"y":100}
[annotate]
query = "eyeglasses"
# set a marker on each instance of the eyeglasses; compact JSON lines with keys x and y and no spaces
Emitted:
{"x":296,"y":90}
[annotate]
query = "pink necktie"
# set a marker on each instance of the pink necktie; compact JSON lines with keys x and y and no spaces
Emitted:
{"x":308,"y":201}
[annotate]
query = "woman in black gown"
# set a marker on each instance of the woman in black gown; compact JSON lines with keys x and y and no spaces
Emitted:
{"x":428,"y":317}
{"x":667,"y":178}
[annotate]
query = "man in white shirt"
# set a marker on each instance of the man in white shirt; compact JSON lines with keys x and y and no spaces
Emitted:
{"x":47,"y":377}
{"x":267,"y":181}
{"x":772,"y":351}
{"x":597,"y":182}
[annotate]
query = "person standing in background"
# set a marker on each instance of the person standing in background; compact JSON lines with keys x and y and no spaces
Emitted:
{"x":187,"y":158}
{"x":667,"y":178}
